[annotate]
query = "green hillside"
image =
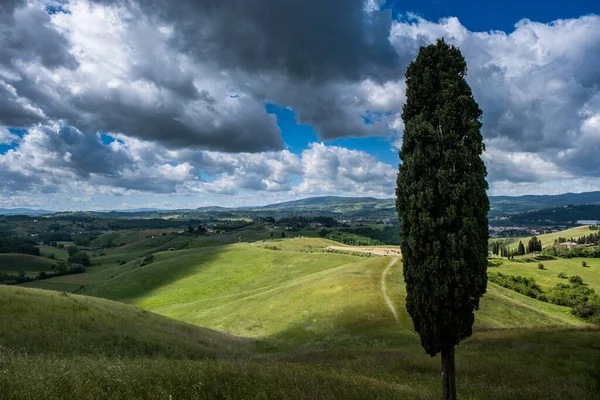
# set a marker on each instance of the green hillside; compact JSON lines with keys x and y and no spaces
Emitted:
{"x":46,"y":322}
{"x":548,"y":238}
{"x":11,"y":263}
{"x":318,"y":322}
{"x":548,"y":277}
{"x":290,"y":294}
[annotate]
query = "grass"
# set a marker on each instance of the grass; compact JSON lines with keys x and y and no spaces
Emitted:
{"x":548,"y":277}
{"x":60,"y":324}
{"x":317,"y":326}
{"x":11,"y":264}
{"x":548,"y":238}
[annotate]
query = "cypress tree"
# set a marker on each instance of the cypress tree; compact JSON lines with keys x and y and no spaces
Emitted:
{"x":521,"y":249}
{"x":442,"y":204}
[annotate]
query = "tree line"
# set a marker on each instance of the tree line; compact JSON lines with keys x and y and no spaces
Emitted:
{"x":19,"y":245}
{"x":533,"y":245}
{"x":592,"y":238}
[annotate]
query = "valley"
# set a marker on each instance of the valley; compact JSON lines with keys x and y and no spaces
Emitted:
{"x":284,"y":317}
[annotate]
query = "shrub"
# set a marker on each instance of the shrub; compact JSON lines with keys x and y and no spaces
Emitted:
{"x":562,"y":275}
{"x":540,"y":266}
{"x":584,"y":264}
{"x":72,"y":250}
{"x":80,"y":258}
{"x":576,"y":279}
{"x":526,"y":286}
{"x":351,"y":239}
{"x":589,"y":310}
{"x":565,"y":295}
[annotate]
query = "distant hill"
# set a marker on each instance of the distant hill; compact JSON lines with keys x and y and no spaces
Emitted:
{"x":566,"y":215}
{"x":23,"y":211}
{"x":506,"y":205}
{"x":351,"y":206}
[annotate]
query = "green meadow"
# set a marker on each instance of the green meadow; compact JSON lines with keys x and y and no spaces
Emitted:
{"x":201,"y":317}
{"x":548,"y":238}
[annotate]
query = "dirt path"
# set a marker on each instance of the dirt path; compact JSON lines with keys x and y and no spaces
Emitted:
{"x":381,"y":251}
{"x":387,"y":299}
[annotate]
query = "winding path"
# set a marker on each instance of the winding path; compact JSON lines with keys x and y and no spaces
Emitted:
{"x":387,"y":299}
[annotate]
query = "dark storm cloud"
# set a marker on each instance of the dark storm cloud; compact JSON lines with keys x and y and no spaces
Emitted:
{"x":303,"y":39}
{"x":299,"y":54}
{"x":26,"y":34}
{"x":80,"y":153}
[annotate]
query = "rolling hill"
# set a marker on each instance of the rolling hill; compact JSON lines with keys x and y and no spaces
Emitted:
{"x":317,"y":322}
{"x":349,"y":206}
{"x":11,"y":263}
{"x":548,"y":238}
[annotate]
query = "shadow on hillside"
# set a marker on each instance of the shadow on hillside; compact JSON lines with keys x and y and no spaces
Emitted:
{"x":526,"y":361}
{"x":350,"y":329}
{"x":151,"y":270}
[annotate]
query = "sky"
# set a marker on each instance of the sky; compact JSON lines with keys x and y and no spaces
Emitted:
{"x":117,"y":104}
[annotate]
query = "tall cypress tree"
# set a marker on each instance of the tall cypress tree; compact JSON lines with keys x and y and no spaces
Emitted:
{"x":442,"y":203}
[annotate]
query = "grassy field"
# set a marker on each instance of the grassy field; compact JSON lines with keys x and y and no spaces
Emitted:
{"x":548,"y":238}
{"x":316,"y":324}
{"x":12,"y":263}
{"x":548,"y":277}
{"x":61,"y":324}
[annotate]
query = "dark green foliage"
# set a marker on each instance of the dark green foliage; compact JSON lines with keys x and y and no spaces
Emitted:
{"x":82,"y":240}
{"x":521,"y":249}
{"x":584,"y":264}
{"x":351,"y":239}
{"x":72,"y":250}
{"x":581,"y":298}
{"x":576,"y":279}
{"x":579,"y":251}
{"x":441,"y":199}
{"x":80,"y":258}
{"x":21,"y":277}
{"x":592,"y":239}
{"x":562,"y":215}
{"x":282,"y":234}
{"x":526,"y":286}
{"x":570,"y":295}
{"x":589,"y":310}
{"x":540,"y":266}
{"x":300,"y":221}
{"x":534,"y":245}
{"x":562,"y":275}
{"x":12,"y":244}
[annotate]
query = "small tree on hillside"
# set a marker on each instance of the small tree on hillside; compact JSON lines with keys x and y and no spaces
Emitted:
{"x":72,"y":250}
{"x":521,"y":250}
{"x":282,"y":234}
{"x":442,"y":203}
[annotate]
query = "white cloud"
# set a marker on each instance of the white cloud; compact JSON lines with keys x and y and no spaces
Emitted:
{"x":332,"y":169}
{"x":6,"y":137}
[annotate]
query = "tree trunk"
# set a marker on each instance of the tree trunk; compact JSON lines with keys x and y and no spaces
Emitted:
{"x":448,"y":373}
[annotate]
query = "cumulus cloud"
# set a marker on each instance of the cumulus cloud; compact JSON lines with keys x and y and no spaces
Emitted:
{"x":59,"y":158}
{"x":183,"y":87}
{"x":333,"y":169}
{"x":538,"y":87}
{"x":7,"y":137}
{"x":199,"y":73}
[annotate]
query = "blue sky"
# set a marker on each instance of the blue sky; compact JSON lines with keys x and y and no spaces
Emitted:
{"x":481,"y":16}
{"x":99,"y":111}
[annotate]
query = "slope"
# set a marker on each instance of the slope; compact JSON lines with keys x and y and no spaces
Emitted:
{"x":322,"y":329}
{"x":50,"y":323}
{"x":548,"y":238}
{"x":294,"y":294}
